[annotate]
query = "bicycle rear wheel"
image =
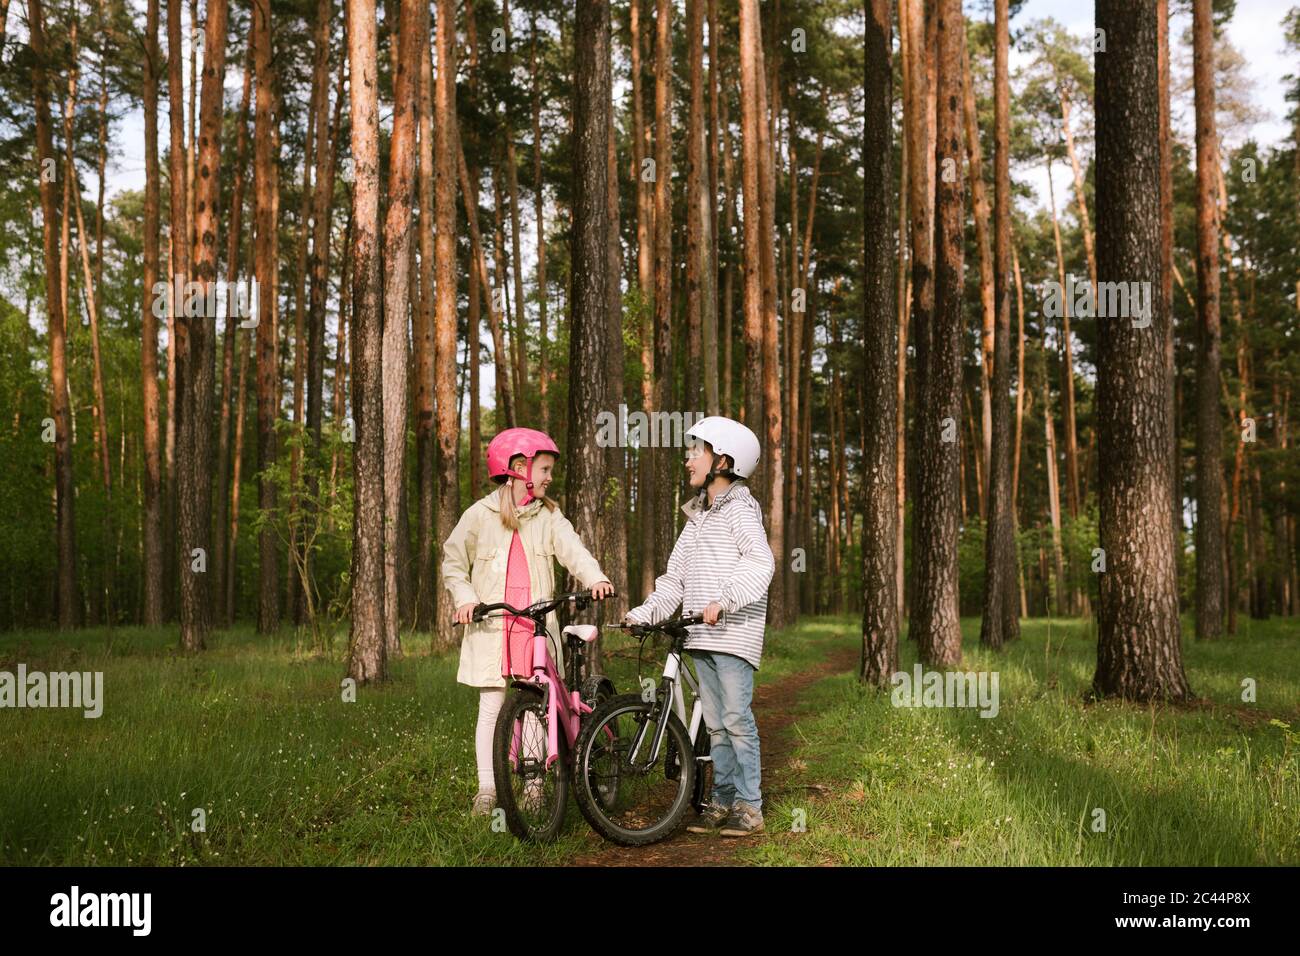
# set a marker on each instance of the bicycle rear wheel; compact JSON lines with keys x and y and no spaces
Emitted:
{"x":651,"y":797}
{"x":532,"y":796}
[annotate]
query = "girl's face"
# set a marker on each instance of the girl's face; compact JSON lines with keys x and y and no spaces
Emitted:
{"x":699,"y":459}
{"x":543,"y":475}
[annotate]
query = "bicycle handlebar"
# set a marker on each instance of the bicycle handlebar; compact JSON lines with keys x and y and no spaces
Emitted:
{"x":669,"y":626}
{"x":541,"y":608}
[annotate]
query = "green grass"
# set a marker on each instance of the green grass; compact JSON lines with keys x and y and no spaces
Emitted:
{"x":1216,"y":783}
{"x":254,"y":731}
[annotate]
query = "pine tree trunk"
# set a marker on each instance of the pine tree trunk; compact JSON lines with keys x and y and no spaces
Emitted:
{"x":980,"y":206}
{"x":367,"y":657}
{"x":397,"y":287}
{"x":1167,"y":255}
{"x":1067,"y":363}
{"x":426,"y":580}
{"x":221,"y":524}
{"x":66,"y":536}
{"x":697,"y":261}
{"x":589,"y":329}
{"x":195,"y":347}
{"x":517,"y":270}
{"x":1001,"y":619}
{"x":1139,"y":656}
{"x":1209,"y":420}
{"x":543,"y":373}
{"x":660,"y":516}
{"x":504,"y":378}
{"x":266,"y":269}
{"x":880,"y":371}
{"x":937,"y":509}
{"x":444,"y":332}
{"x":152,"y":530}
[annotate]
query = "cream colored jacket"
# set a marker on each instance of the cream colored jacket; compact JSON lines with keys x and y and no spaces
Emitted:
{"x":474,"y":568}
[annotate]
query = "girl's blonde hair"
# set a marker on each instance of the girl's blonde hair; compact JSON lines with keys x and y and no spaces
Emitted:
{"x":509,"y":511}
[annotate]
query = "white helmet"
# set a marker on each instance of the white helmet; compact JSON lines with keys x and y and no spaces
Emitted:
{"x":729,"y":437}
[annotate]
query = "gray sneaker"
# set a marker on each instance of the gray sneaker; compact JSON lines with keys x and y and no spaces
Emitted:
{"x":485,"y":802}
{"x":709,"y":819}
{"x":745,"y":820}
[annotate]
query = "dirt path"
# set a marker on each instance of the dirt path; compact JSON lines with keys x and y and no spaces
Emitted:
{"x":774,"y":711}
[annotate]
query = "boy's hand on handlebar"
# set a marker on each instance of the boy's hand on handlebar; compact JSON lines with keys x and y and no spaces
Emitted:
{"x":601,"y":590}
{"x":464,"y":614}
{"x":712,"y":613}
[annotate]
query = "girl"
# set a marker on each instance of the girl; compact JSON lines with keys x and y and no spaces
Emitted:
{"x":722,"y":562}
{"x":503,"y":550}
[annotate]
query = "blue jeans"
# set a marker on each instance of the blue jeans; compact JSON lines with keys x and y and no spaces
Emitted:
{"x":726,"y":688}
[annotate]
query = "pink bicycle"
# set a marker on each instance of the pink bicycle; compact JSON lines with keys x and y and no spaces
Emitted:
{"x":541,"y":718}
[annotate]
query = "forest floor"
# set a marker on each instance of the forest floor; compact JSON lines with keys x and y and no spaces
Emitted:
{"x":247,"y":754}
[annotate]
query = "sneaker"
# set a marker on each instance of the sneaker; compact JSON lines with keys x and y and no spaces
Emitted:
{"x":485,"y":802}
{"x":709,"y":819}
{"x":745,"y":820}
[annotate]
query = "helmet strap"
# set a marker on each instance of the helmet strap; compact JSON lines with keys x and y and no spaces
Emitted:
{"x":528,"y":481}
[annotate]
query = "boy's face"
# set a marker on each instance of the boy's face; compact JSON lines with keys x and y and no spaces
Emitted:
{"x":699,"y":459}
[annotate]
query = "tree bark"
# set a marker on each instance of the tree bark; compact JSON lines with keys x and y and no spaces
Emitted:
{"x":444,"y":334}
{"x":397,"y":286}
{"x":589,"y":329}
{"x":662,"y":522}
{"x":195,"y":412}
{"x":1001,"y":620}
{"x":880,"y":371}
{"x":220,"y":536}
{"x":426,"y":582}
{"x":980,"y":207}
{"x":151,"y":519}
{"x":504,"y":377}
{"x":937,"y":510}
{"x":1139,"y":656}
{"x":1167,"y":255}
{"x":266,"y":260}
{"x":1209,"y":419}
{"x":367,"y":657}
{"x":1067,"y":363}
{"x":543,"y":373}
{"x":697,"y":263}
{"x":65,"y":524}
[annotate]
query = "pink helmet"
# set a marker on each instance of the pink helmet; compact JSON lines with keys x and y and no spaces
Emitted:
{"x":517,"y":441}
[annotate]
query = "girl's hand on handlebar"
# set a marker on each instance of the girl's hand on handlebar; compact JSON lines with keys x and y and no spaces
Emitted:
{"x":602,"y":590}
{"x":712,"y":613}
{"x":464,"y":614}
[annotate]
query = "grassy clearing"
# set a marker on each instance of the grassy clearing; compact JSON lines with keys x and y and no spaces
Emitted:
{"x":254,"y":732}
{"x":1217,"y":783}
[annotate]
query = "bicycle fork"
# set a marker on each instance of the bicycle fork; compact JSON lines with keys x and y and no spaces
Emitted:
{"x":670,"y":688}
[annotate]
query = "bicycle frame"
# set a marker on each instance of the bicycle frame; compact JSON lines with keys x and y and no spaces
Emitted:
{"x":670,"y":688}
{"x":563,"y":706}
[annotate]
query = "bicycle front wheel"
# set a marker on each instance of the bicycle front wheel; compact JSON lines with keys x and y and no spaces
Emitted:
{"x":649,"y":797}
{"x":532,"y":796}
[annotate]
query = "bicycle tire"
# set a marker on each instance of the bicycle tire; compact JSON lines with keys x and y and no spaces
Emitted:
{"x":519,"y":703}
{"x":593,"y":807}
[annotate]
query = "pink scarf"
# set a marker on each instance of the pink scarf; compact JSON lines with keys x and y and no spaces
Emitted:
{"x":517,"y":632}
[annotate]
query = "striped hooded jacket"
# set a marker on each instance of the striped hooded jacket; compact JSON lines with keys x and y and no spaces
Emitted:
{"x":721,"y":555}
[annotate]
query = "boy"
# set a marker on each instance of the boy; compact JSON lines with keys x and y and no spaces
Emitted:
{"x":722,"y":563}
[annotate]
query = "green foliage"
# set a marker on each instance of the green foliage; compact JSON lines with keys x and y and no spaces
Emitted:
{"x":312,"y":518}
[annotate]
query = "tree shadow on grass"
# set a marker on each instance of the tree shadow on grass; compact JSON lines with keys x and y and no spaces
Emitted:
{"x":1147,"y":822}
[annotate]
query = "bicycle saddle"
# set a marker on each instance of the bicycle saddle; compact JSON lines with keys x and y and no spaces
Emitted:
{"x":584,"y":632}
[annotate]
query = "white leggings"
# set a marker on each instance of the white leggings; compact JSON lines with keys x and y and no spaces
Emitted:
{"x":490,"y":700}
